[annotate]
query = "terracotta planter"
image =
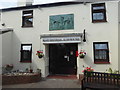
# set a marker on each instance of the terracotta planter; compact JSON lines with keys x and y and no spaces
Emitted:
{"x":31,"y":71}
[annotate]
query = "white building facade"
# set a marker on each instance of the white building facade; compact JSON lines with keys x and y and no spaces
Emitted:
{"x":61,"y":30}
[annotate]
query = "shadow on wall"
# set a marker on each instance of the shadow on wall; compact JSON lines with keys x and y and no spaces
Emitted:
{"x":6,"y":49}
{"x":88,"y":61}
{"x":16,"y":46}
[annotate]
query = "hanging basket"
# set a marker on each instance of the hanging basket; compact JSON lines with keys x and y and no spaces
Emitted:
{"x":82,"y":56}
{"x":40,"y":56}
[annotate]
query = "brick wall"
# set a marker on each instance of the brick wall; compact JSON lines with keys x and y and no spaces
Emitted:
{"x":20,"y":79}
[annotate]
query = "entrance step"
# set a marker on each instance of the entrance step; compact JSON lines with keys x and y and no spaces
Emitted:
{"x":62,"y":76}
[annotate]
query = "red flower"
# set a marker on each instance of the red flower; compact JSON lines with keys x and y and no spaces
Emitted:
{"x":83,"y":71}
{"x":77,"y":54}
{"x":39,"y":52}
{"x":88,"y":69}
{"x":82,"y":53}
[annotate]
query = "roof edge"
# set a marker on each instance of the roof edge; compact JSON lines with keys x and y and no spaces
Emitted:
{"x":43,"y":5}
{"x":5,"y":30}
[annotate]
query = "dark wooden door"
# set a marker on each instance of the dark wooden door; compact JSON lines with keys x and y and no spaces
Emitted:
{"x":63,"y":58}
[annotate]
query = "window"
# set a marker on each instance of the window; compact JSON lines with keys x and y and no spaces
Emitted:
{"x":27,"y":18}
{"x":101,"y":52}
{"x":26,"y":52}
{"x":98,"y":12}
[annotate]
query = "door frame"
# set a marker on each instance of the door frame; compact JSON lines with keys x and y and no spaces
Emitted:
{"x":76,"y":57}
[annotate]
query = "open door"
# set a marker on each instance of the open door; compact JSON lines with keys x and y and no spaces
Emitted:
{"x":63,"y":59}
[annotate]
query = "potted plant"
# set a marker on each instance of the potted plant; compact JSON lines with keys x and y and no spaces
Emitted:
{"x":27,"y":70}
{"x":38,"y":70}
{"x":88,"y":69}
{"x":82,"y":53}
{"x":9,"y":67}
{"x":31,"y":70}
{"x":40,"y":53}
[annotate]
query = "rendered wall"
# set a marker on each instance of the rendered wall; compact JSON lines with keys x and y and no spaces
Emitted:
{"x":119,"y":36}
{"x":6,"y":48}
{"x":0,"y":46}
{"x":95,"y":32}
{"x":102,"y":32}
{"x":0,"y":62}
{"x":0,"y":53}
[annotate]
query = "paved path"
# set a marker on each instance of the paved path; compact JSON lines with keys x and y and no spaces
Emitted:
{"x":49,"y":83}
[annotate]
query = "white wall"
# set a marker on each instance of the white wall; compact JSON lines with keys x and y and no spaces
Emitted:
{"x":0,"y":53}
{"x":102,"y":32}
{"x":119,"y":35}
{"x":99,"y":32}
{"x":6,"y":48}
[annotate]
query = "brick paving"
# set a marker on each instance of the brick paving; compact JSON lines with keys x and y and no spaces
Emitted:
{"x":48,"y":83}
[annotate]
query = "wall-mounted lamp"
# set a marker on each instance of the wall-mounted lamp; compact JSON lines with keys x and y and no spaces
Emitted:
{"x":3,"y":24}
{"x":39,"y":8}
{"x":84,"y":3}
{"x":84,"y":39}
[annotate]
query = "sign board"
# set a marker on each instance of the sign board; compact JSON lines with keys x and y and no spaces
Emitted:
{"x":52,"y":40}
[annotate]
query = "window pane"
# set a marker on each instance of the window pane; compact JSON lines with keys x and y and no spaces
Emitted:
{"x":27,"y":48}
{"x":26,"y":52}
{"x":101,"y":54}
{"x":30,"y":14}
{"x":98,"y":8}
{"x":98,"y":12}
{"x":96,"y":55}
{"x":101,"y":46}
{"x":28,"y":21}
{"x":98,"y":16}
{"x":27,"y":18}
{"x":26,"y":55}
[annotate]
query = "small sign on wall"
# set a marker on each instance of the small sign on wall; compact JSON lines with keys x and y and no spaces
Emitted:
{"x":50,"y":40}
{"x":61,"y":22}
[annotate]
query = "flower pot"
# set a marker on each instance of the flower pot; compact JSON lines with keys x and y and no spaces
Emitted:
{"x":31,"y":71}
{"x":82,"y":56}
{"x":9,"y":68}
{"x":40,"y":56}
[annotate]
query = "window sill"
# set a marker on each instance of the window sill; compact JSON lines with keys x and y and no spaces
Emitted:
{"x":102,"y":21}
{"x":101,"y":62}
{"x":26,"y":26}
{"x":26,"y":61}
